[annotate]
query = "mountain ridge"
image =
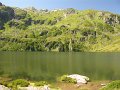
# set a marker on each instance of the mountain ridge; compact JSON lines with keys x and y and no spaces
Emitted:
{"x":58,"y":30}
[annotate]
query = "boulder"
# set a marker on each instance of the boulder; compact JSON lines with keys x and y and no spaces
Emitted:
{"x":79,"y":78}
{"x":4,"y":88}
{"x":0,"y":4}
{"x":46,"y":87}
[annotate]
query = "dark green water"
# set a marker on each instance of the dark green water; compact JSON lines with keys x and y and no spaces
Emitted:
{"x":49,"y":65}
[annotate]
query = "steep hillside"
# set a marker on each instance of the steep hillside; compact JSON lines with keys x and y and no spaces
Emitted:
{"x":30,"y":29}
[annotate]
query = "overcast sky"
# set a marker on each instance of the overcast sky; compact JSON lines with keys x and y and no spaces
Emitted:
{"x":106,"y":5}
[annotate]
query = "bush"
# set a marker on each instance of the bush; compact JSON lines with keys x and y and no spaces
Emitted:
{"x":66,"y":79}
{"x":20,"y":82}
{"x":10,"y":85}
{"x":19,"y":13}
{"x":41,"y":83}
{"x":115,"y":85}
{"x":2,"y":82}
{"x":18,"y":24}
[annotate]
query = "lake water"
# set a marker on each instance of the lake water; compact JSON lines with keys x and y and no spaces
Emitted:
{"x":49,"y":65}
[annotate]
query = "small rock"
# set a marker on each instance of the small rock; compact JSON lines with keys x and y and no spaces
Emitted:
{"x":102,"y":84}
{"x":46,"y":87}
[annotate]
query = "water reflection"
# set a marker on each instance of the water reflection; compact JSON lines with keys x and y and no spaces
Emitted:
{"x":49,"y":65}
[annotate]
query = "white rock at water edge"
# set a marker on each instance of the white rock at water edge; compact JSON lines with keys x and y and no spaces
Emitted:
{"x":79,"y":78}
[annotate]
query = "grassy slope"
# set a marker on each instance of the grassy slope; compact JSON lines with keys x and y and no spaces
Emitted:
{"x":62,"y":30}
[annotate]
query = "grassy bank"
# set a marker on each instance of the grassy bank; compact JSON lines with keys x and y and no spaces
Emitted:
{"x":92,"y":85}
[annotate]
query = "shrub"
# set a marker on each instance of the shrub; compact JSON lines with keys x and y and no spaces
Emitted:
{"x":66,"y":79}
{"x":115,"y":85}
{"x":42,"y":33}
{"x":18,"y":24}
{"x":2,"y":82}
{"x":41,"y":83}
{"x":20,"y":82}
{"x":71,"y":11}
{"x":10,"y":85}
{"x":19,"y":13}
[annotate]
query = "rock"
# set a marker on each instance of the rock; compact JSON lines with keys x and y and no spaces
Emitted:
{"x":103,"y":84}
{"x":4,"y":88}
{"x":80,"y":79}
{"x":45,"y":87}
{"x":1,"y":27}
{"x":0,"y":4}
{"x":29,"y":88}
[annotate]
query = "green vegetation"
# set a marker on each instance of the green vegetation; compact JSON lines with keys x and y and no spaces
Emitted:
{"x":66,"y":79}
{"x":3,"y":82}
{"x":13,"y":84}
{"x":18,"y":82}
{"x":115,"y":85}
{"x":58,"y":30}
{"x":64,"y":84}
{"x":41,"y":83}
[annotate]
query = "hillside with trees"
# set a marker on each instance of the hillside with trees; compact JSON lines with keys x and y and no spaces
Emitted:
{"x":59,"y":30}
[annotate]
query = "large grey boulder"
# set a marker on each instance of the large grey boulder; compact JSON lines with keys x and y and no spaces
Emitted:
{"x":79,"y":78}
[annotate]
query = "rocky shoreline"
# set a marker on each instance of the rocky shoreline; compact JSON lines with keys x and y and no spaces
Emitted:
{"x":21,"y":84}
{"x":66,"y":82}
{"x":45,"y":87}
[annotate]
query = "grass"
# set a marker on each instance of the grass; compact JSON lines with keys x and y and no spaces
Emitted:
{"x":114,"y":85}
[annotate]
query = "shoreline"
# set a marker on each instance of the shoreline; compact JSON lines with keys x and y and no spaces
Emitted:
{"x":92,"y":85}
